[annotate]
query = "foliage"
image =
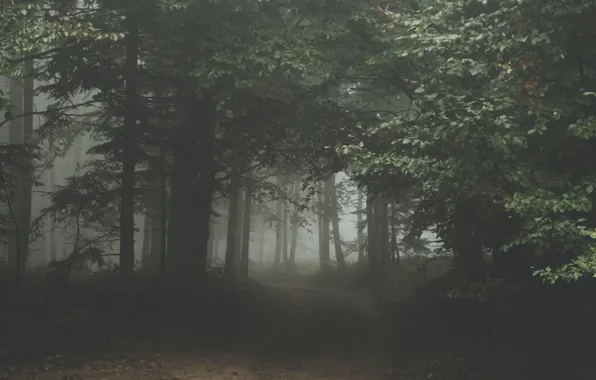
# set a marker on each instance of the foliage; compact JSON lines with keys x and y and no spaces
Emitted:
{"x":79,"y":260}
{"x":13,"y":158}
{"x":471,"y":116}
{"x":498,"y":120}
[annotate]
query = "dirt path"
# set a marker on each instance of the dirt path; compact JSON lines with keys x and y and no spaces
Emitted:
{"x":307,"y":332}
{"x":293,"y":329}
{"x":219,"y":367}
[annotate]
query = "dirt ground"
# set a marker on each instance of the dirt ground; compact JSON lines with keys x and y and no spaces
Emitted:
{"x":319,"y":333}
{"x":283,"y":329}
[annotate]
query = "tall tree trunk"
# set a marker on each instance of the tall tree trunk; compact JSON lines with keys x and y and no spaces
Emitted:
{"x":240,"y":228}
{"x":278,"y":232}
{"x":373,"y":261}
{"x":319,"y":210}
{"x":192,"y":184}
{"x":245,"y":258}
{"x":359,"y":226}
{"x":334,"y":211}
{"x":74,"y":233}
{"x":231,"y":268}
{"x":159,"y":207}
{"x":394,"y":247}
{"x":293,"y":245}
{"x":16,"y":252}
{"x":295,"y":225}
{"x":211,"y":245}
{"x":152,"y":236}
{"x":207,"y":177}
{"x":146,"y":250}
{"x":262,"y":246}
{"x":216,"y":248}
{"x":155,"y":233}
{"x":383,"y":222}
{"x":163,"y":205}
{"x":52,"y":232}
{"x":129,"y":144}
{"x":284,"y":235}
{"x":468,"y":263}
{"x":27,"y":176}
{"x":324,"y":255}
{"x":183,"y":224}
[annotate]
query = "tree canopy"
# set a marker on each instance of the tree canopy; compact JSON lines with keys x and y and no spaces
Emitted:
{"x":479,"y":114}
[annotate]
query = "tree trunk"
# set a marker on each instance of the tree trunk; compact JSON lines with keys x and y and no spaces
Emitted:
{"x":360,"y":227}
{"x":52,"y":232}
{"x":295,"y":224}
{"x":245,"y":258}
{"x":278,"y":232}
{"x":211,"y":245}
{"x":394,"y":247}
{"x":207,"y":178}
{"x":334,"y":211}
{"x":262,"y":247}
{"x":373,"y":262}
{"x":240,"y":228}
{"x":127,"y":192}
{"x":160,"y":223}
{"x":146,"y":250}
{"x":16,"y":252}
{"x":231,"y":268}
{"x":172,"y":227}
{"x":216,"y":248}
{"x":468,"y":263}
{"x":192,"y":184}
{"x":155,"y":233}
{"x":382,"y":227}
{"x":324,"y":256}
{"x":284,"y":236}
{"x":293,"y":245}
{"x":76,"y":158}
{"x":27,"y":176}
{"x":320,"y":222}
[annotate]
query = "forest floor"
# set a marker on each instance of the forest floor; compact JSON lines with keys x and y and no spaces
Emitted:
{"x":283,"y":328}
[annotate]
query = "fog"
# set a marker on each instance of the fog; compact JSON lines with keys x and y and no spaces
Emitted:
{"x":58,"y":165}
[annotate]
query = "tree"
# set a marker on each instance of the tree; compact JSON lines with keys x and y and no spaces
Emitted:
{"x":480,"y":136}
{"x":284,"y":235}
{"x":278,"y":230}
{"x":128,"y":146}
{"x":332,"y":205}
{"x":373,"y":256}
{"x":52,"y":227}
{"x":245,"y":258}
{"x":323,"y":211}
{"x":148,"y":97}
{"x":231,"y":269}
{"x":360,"y":227}
{"x":262,"y":244}
{"x":17,"y":253}
{"x":295,"y":220}
{"x":27,"y":177}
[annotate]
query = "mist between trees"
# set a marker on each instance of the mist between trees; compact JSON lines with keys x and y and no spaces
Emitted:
{"x":420,"y":165}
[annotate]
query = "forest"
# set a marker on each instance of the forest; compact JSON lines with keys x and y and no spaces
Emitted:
{"x":338,"y":189}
